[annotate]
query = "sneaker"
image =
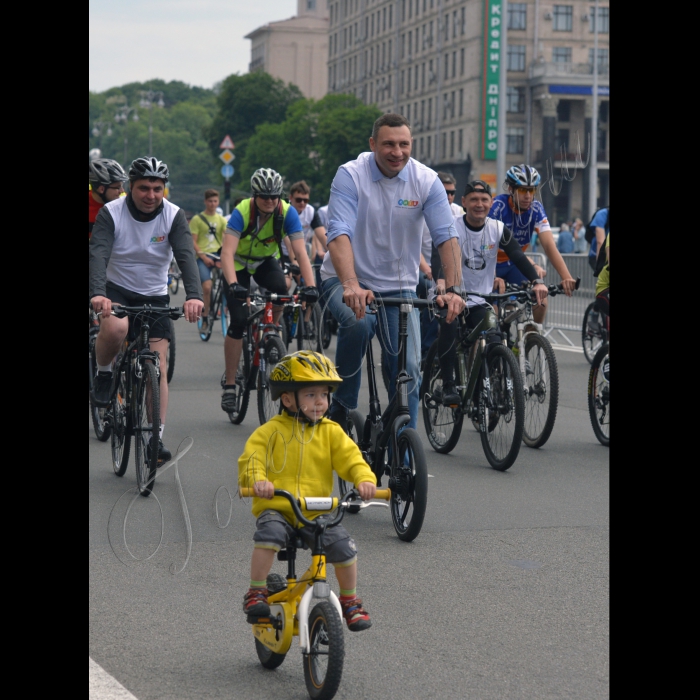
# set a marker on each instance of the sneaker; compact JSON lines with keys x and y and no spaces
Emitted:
{"x":355,"y":615}
{"x":255,"y":602}
{"x":205,"y":325}
{"x":102,"y":389}
{"x":229,"y":399}
{"x":164,"y":454}
{"x":448,"y":395}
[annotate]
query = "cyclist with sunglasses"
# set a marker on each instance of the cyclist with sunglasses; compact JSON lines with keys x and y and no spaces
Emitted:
{"x":481,"y":239}
{"x":251,"y":248}
{"x":524,"y":216}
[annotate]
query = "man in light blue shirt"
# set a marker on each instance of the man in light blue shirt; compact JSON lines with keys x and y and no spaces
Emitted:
{"x":377,"y":208}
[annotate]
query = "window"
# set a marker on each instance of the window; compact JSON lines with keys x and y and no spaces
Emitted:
{"x":408,"y":82}
{"x":515,"y":99}
{"x":410,"y":48}
{"x":562,"y":141}
{"x":603,"y":17}
{"x":391,"y":9}
{"x":602,"y":139}
{"x":422,"y":112}
{"x":415,"y":78}
{"x":515,"y":139}
{"x":517,"y":15}
{"x":561,"y":54}
{"x":563,"y":18}
{"x":403,"y":46}
{"x":564,"y":111}
{"x":459,"y":142}
{"x":422,"y":77}
{"x":444,"y":145}
{"x":452,"y":144}
{"x":602,"y":59}
{"x":372,"y":25}
{"x":408,"y":112}
{"x":452,"y":104}
{"x":446,"y":27}
{"x":384,"y":19}
{"x":461,"y":62}
{"x":420,"y":150}
{"x":454,"y":64}
{"x":445,"y":106}
{"x":454,"y":24}
{"x":461,"y":106}
{"x":603,"y":112}
{"x":428,"y":146}
{"x":516,"y":60}
{"x":447,"y":66}
{"x":463,"y":24}
{"x":403,"y":10}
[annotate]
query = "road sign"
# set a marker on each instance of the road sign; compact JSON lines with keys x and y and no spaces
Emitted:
{"x":226,"y":156}
{"x":227,"y":170}
{"x":227,"y":143}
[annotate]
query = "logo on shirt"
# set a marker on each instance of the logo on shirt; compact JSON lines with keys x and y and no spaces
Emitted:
{"x":409,"y":203}
{"x":157,"y":239}
{"x":487,"y":246}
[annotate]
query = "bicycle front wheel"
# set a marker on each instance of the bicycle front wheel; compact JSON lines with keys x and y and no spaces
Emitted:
{"x":354,"y":428}
{"x":501,"y":408}
{"x":309,"y":330}
{"x":599,"y":395}
{"x":323,"y":665}
{"x":541,"y":385}
{"x":326,"y":326}
{"x":171,"y":352}
{"x":274,"y":352}
{"x":121,"y":431}
{"x":409,"y":485}
{"x":443,"y":425}
{"x":592,"y":332}
{"x":223,"y":311}
{"x":146,"y":428}
{"x":242,"y":389}
{"x":99,"y":424}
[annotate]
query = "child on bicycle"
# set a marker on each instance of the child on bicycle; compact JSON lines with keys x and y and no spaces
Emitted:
{"x":298,"y":451}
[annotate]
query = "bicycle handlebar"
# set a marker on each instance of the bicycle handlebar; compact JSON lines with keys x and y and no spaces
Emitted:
{"x":173,"y":312}
{"x":552,"y":289}
{"x":397,"y":301}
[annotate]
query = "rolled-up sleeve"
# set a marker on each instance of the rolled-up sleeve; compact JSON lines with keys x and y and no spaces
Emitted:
{"x":438,"y":214}
{"x":342,"y":206}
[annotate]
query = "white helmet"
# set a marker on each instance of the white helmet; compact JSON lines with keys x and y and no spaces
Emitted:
{"x":266,"y":181}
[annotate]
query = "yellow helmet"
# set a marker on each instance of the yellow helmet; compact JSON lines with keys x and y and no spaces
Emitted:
{"x":303,"y":368}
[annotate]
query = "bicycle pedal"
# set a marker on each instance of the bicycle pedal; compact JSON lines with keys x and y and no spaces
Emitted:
{"x":253,"y":620}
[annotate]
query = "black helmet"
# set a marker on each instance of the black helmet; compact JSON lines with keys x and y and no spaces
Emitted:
{"x":148,"y":167}
{"x":266,"y":181}
{"x":105,"y":171}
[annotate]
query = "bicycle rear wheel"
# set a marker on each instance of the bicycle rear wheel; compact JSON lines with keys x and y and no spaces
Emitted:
{"x":243,"y":382}
{"x":309,"y":331}
{"x":599,"y":395}
{"x":355,"y":426}
{"x":274,"y":352}
{"x":121,"y":431}
{"x":171,"y":351}
{"x":443,"y":425}
{"x":504,"y":403}
{"x":541,"y":384}
{"x":146,"y":427}
{"x":593,"y":335}
{"x":409,"y":485}
{"x":323,"y":665}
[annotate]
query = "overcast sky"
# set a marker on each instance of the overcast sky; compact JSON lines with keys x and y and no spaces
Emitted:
{"x":197,"y":41}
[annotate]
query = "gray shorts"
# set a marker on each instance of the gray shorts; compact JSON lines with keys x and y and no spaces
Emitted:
{"x":272,"y":531}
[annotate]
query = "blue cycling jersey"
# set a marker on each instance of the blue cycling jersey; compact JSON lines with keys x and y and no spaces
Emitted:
{"x":522,"y":224}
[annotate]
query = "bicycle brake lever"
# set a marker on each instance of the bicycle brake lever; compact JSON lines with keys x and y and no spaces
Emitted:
{"x":365,"y":504}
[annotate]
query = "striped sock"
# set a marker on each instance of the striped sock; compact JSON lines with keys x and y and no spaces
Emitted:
{"x":258,"y":584}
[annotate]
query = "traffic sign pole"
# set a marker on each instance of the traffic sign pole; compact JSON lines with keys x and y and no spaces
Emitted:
{"x":227,"y":169}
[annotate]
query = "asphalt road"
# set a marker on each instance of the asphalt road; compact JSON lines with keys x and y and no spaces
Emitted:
{"x":503,"y":595}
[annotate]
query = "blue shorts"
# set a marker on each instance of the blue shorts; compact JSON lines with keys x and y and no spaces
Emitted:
{"x":508,"y":272}
{"x":204,"y":271}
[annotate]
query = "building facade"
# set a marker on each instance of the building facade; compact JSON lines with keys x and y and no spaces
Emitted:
{"x":433,"y":61}
{"x":295,"y":50}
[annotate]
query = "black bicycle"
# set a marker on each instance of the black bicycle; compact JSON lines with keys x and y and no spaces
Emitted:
{"x":594,"y":331}
{"x":135,"y":400}
{"x":218,"y":309}
{"x":100,"y":416}
{"x":490,"y":386}
{"x":387,"y":444}
{"x":599,"y":390}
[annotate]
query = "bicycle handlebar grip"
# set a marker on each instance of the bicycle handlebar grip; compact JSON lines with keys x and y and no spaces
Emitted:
{"x":245,"y":492}
{"x":383,"y":494}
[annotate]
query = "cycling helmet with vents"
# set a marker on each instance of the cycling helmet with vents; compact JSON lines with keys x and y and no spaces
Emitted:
{"x":105,"y":171}
{"x":300,"y":369}
{"x":148,"y":167}
{"x":266,"y":181}
{"x":523,"y":176}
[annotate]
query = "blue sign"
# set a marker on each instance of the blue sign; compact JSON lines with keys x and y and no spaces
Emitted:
{"x":579,"y":89}
{"x":227,"y":170}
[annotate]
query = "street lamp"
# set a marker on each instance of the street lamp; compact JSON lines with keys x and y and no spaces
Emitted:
{"x":148,"y":98}
{"x":122,"y":116}
{"x":99,"y":127}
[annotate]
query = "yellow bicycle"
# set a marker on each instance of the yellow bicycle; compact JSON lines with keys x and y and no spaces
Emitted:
{"x":321,"y":631}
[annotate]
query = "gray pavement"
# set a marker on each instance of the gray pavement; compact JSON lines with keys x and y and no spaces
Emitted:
{"x":503,"y":595}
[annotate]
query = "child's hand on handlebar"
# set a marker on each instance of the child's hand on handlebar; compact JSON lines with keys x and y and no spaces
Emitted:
{"x":366,"y":489}
{"x":264,"y":489}
{"x":541,"y":292}
{"x":568,"y":285}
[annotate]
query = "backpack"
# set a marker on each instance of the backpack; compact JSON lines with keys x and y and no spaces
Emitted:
{"x":590,"y":230}
{"x":602,"y":259}
{"x":212,"y":227}
{"x":277,"y":221}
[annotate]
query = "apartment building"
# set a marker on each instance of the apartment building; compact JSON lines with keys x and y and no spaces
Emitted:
{"x":295,"y":50}
{"x":434,"y":61}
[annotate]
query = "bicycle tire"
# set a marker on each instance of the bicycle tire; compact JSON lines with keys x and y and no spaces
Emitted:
{"x":224,"y":315}
{"x":99,"y":424}
{"x":323,"y":665}
{"x":599,"y":397}
{"x":409,"y":485}
{"x":502,"y":442}
{"x":443,"y":425}
{"x":121,"y":431}
{"x":309,"y":331}
{"x":146,"y":411}
{"x":243,"y":380}
{"x":326,"y":329}
{"x":354,"y":429}
{"x":204,"y":335}
{"x":541,"y":389}
{"x":592,"y":339}
{"x":274,"y":352}
{"x":171,"y":352}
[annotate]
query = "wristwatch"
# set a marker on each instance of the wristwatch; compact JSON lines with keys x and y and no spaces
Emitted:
{"x":455,"y":289}
{"x":537,"y":281}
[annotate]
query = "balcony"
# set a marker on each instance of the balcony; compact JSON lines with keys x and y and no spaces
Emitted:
{"x":257,"y":64}
{"x":578,"y":74}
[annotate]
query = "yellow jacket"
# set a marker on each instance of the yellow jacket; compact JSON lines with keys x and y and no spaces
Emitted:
{"x":299,"y":458}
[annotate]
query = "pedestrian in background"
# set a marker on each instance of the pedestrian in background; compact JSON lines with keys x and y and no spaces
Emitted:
{"x":579,"y":232}
{"x":565,"y":242}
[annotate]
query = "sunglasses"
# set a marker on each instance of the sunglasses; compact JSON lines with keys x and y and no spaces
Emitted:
{"x":526,"y":190}
{"x":299,"y":200}
{"x":268,"y":197}
{"x":451,"y":193}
